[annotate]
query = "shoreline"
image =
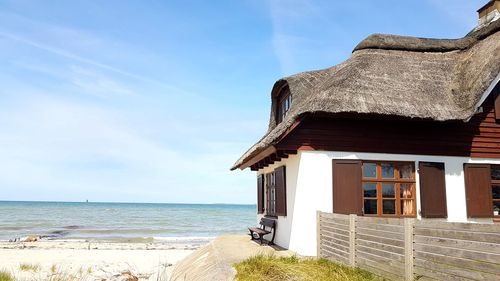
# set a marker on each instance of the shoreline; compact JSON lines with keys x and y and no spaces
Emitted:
{"x":81,"y":244}
{"x":178,"y":240}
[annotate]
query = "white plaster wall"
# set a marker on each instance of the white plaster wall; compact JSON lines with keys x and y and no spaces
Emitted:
{"x":309,"y":189}
{"x":284,"y":223}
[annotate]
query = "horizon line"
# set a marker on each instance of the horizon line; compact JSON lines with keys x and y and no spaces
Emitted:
{"x":116,"y":202}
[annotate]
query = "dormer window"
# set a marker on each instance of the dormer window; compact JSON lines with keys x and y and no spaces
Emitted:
{"x":284,"y":103}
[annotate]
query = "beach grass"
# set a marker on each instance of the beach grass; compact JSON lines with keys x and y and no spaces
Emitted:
{"x":271,"y":268}
{"x":5,"y":276}
{"x":29,"y":267}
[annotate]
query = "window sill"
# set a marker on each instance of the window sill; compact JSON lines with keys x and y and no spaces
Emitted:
{"x":390,"y":216}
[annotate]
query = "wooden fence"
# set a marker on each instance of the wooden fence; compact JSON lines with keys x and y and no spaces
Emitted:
{"x":408,"y":249}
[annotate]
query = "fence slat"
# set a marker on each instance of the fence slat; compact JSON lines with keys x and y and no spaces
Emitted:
{"x":381,"y":253}
{"x":397,"y":243}
{"x":459,"y":262}
{"x":378,"y":226}
{"x":379,"y":233}
{"x":335,"y":240}
{"x":479,"y":256}
{"x":384,"y":270}
{"x":336,"y":225}
{"x":419,"y":271}
{"x":462,"y":235}
{"x":459,"y":244}
{"x":329,"y":250}
{"x":471,"y":227}
{"x":381,"y":246}
{"x":449,"y":269}
{"x":336,"y":230}
{"x":335,"y":245}
{"x":388,"y":221}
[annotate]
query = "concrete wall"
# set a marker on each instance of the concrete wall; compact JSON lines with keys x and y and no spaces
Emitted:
{"x":309,"y":189}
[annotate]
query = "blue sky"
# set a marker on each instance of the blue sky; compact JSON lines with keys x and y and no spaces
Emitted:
{"x":153,"y":101}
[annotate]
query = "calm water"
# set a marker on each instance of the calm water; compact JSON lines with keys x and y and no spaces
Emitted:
{"x":123,"y":221}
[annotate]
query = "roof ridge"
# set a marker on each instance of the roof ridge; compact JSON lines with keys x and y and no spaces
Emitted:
{"x":418,"y":44}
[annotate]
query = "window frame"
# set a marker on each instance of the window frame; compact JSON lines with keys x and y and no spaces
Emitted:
{"x":284,"y":98}
{"x":270,"y":185}
{"x":397,"y":181}
{"x":494,"y":183}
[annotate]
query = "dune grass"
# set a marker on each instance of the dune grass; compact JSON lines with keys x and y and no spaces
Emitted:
{"x":270,"y":268}
{"x":5,"y":276}
{"x":29,"y":267}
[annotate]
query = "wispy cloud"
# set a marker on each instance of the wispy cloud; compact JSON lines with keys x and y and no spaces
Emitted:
{"x":284,"y":16}
{"x":98,"y":84}
{"x":303,"y":31}
{"x":88,"y":81}
{"x":139,"y":140}
{"x":75,"y":57}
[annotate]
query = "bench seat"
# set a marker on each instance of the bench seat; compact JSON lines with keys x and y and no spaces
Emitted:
{"x":261,"y":231}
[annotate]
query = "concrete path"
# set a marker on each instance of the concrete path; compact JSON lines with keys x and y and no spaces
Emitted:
{"x":214,"y":261}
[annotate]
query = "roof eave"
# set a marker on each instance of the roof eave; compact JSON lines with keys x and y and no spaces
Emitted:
{"x":261,"y":155}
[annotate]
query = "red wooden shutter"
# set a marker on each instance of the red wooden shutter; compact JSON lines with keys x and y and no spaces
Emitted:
{"x":478,"y":190}
{"x":432,"y":190}
{"x":260,"y":194}
{"x":280,"y":175}
{"x":347,"y":187}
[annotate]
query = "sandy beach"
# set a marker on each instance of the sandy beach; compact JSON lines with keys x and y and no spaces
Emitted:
{"x":83,"y":260}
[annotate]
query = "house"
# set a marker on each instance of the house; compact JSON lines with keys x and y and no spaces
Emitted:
{"x":406,"y":127}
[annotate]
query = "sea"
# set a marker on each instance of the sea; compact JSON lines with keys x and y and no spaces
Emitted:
{"x":123,"y":222}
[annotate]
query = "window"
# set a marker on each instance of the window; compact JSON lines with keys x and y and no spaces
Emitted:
{"x":495,"y":190}
{"x":284,"y":103}
{"x":275,"y":190}
{"x":388,"y":189}
{"x":271,"y":194}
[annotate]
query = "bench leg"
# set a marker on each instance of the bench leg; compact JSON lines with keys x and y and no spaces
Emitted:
{"x":272,"y":240}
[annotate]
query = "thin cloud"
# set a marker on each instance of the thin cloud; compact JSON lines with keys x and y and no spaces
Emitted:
{"x":303,"y":32}
{"x":87,"y":80}
{"x":67,"y":54}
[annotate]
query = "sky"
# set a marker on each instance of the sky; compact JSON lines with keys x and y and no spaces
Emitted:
{"x":153,"y":101}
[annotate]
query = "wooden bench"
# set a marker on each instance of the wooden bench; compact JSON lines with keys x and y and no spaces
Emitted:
{"x":261,"y":230}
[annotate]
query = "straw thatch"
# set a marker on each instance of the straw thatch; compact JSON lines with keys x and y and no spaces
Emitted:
{"x":393,"y":75}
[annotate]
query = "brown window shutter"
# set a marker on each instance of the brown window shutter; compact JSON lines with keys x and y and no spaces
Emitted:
{"x":478,"y":190}
{"x":280,"y":175}
{"x":347,"y":194}
{"x":432,"y":190}
{"x":260,"y":194}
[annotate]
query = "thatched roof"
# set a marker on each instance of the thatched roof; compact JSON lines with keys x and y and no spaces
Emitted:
{"x":435,"y":79}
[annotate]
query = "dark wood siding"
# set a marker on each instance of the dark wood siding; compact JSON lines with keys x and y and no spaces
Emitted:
{"x":478,"y":190}
{"x":432,"y":190}
{"x":260,"y":194}
{"x":280,"y":173}
{"x":347,"y":187}
{"x":480,"y":137}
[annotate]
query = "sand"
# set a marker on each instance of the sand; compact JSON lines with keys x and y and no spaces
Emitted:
{"x":80,"y":260}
